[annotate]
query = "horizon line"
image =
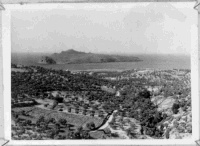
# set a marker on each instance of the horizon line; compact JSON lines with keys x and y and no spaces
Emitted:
{"x":106,"y":53}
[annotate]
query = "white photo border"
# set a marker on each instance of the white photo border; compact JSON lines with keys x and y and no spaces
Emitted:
{"x":6,"y":48}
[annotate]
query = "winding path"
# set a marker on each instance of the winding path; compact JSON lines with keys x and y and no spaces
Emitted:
{"x":105,"y":122}
{"x":108,"y":121}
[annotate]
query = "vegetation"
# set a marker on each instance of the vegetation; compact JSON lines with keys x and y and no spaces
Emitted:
{"x":66,"y":105}
{"x":175,"y":108}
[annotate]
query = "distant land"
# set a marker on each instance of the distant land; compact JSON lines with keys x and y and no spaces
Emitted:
{"x":154,"y":61}
{"x":75,"y":57}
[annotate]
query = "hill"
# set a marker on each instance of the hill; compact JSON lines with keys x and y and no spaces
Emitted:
{"x":47,"y":60}
{"x":75,"y":57}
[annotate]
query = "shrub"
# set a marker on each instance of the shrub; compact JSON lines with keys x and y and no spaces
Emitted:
{"x":91,"y":125}
{"x":145,"y":93}
{"x":175,"y":108}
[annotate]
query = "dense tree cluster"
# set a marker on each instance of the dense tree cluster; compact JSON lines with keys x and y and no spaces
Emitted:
{"x":36,"y":83}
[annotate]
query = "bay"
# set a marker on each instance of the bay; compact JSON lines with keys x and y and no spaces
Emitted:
{"x":165,"y":62}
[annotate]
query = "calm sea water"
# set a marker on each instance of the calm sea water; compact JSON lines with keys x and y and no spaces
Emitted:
{"x":149,"y":61}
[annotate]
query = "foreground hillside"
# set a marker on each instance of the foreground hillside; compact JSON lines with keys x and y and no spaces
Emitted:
{"x":134,"y":104}
{"x":75,"y":57}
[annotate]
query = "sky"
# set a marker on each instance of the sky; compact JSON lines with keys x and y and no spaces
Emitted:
{"x":128,"y":28}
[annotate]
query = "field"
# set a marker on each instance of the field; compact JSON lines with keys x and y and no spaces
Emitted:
{"x":76,"y":120}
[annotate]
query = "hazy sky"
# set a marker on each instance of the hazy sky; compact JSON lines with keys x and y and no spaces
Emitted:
{"x":105,"y":28}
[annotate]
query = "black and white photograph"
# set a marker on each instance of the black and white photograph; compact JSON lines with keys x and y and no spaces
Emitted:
{"x":102,"y":71}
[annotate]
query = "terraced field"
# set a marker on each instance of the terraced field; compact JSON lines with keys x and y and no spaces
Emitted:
{"x":20,"y":109}
{"x":76,"y":120}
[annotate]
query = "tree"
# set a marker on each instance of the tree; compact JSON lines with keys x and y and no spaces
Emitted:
{"x":45,"y":127}
{"x":175,"y":108}
{"x":132,"y":131}
{"x":40,"y":119}
{"x":59,"y":99}
{"x":114,"y":134}
{"x":52,"y":120}
{"x":77,"y":110}
{"x":69,"y":109}
{"x":57,"y":126}
{"x":79,"y":129}
{"x":90,"y":125}
{"x":145,"y":93}
{"x":85,"y":135}
{"x":52,"y":134}
{"x":28,"y":122}
{"x":84,"y":112}
{"x":167,"y":133}
{"x":62,"y":121}
{"x":70,"y":135}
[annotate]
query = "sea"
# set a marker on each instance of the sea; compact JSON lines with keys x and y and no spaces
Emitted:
{"x":164,"y":62}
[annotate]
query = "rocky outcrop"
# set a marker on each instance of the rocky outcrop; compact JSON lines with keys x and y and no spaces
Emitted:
{"x":164,"y":104}
{"x":47,"y":60}
{"x":176,"y":126}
